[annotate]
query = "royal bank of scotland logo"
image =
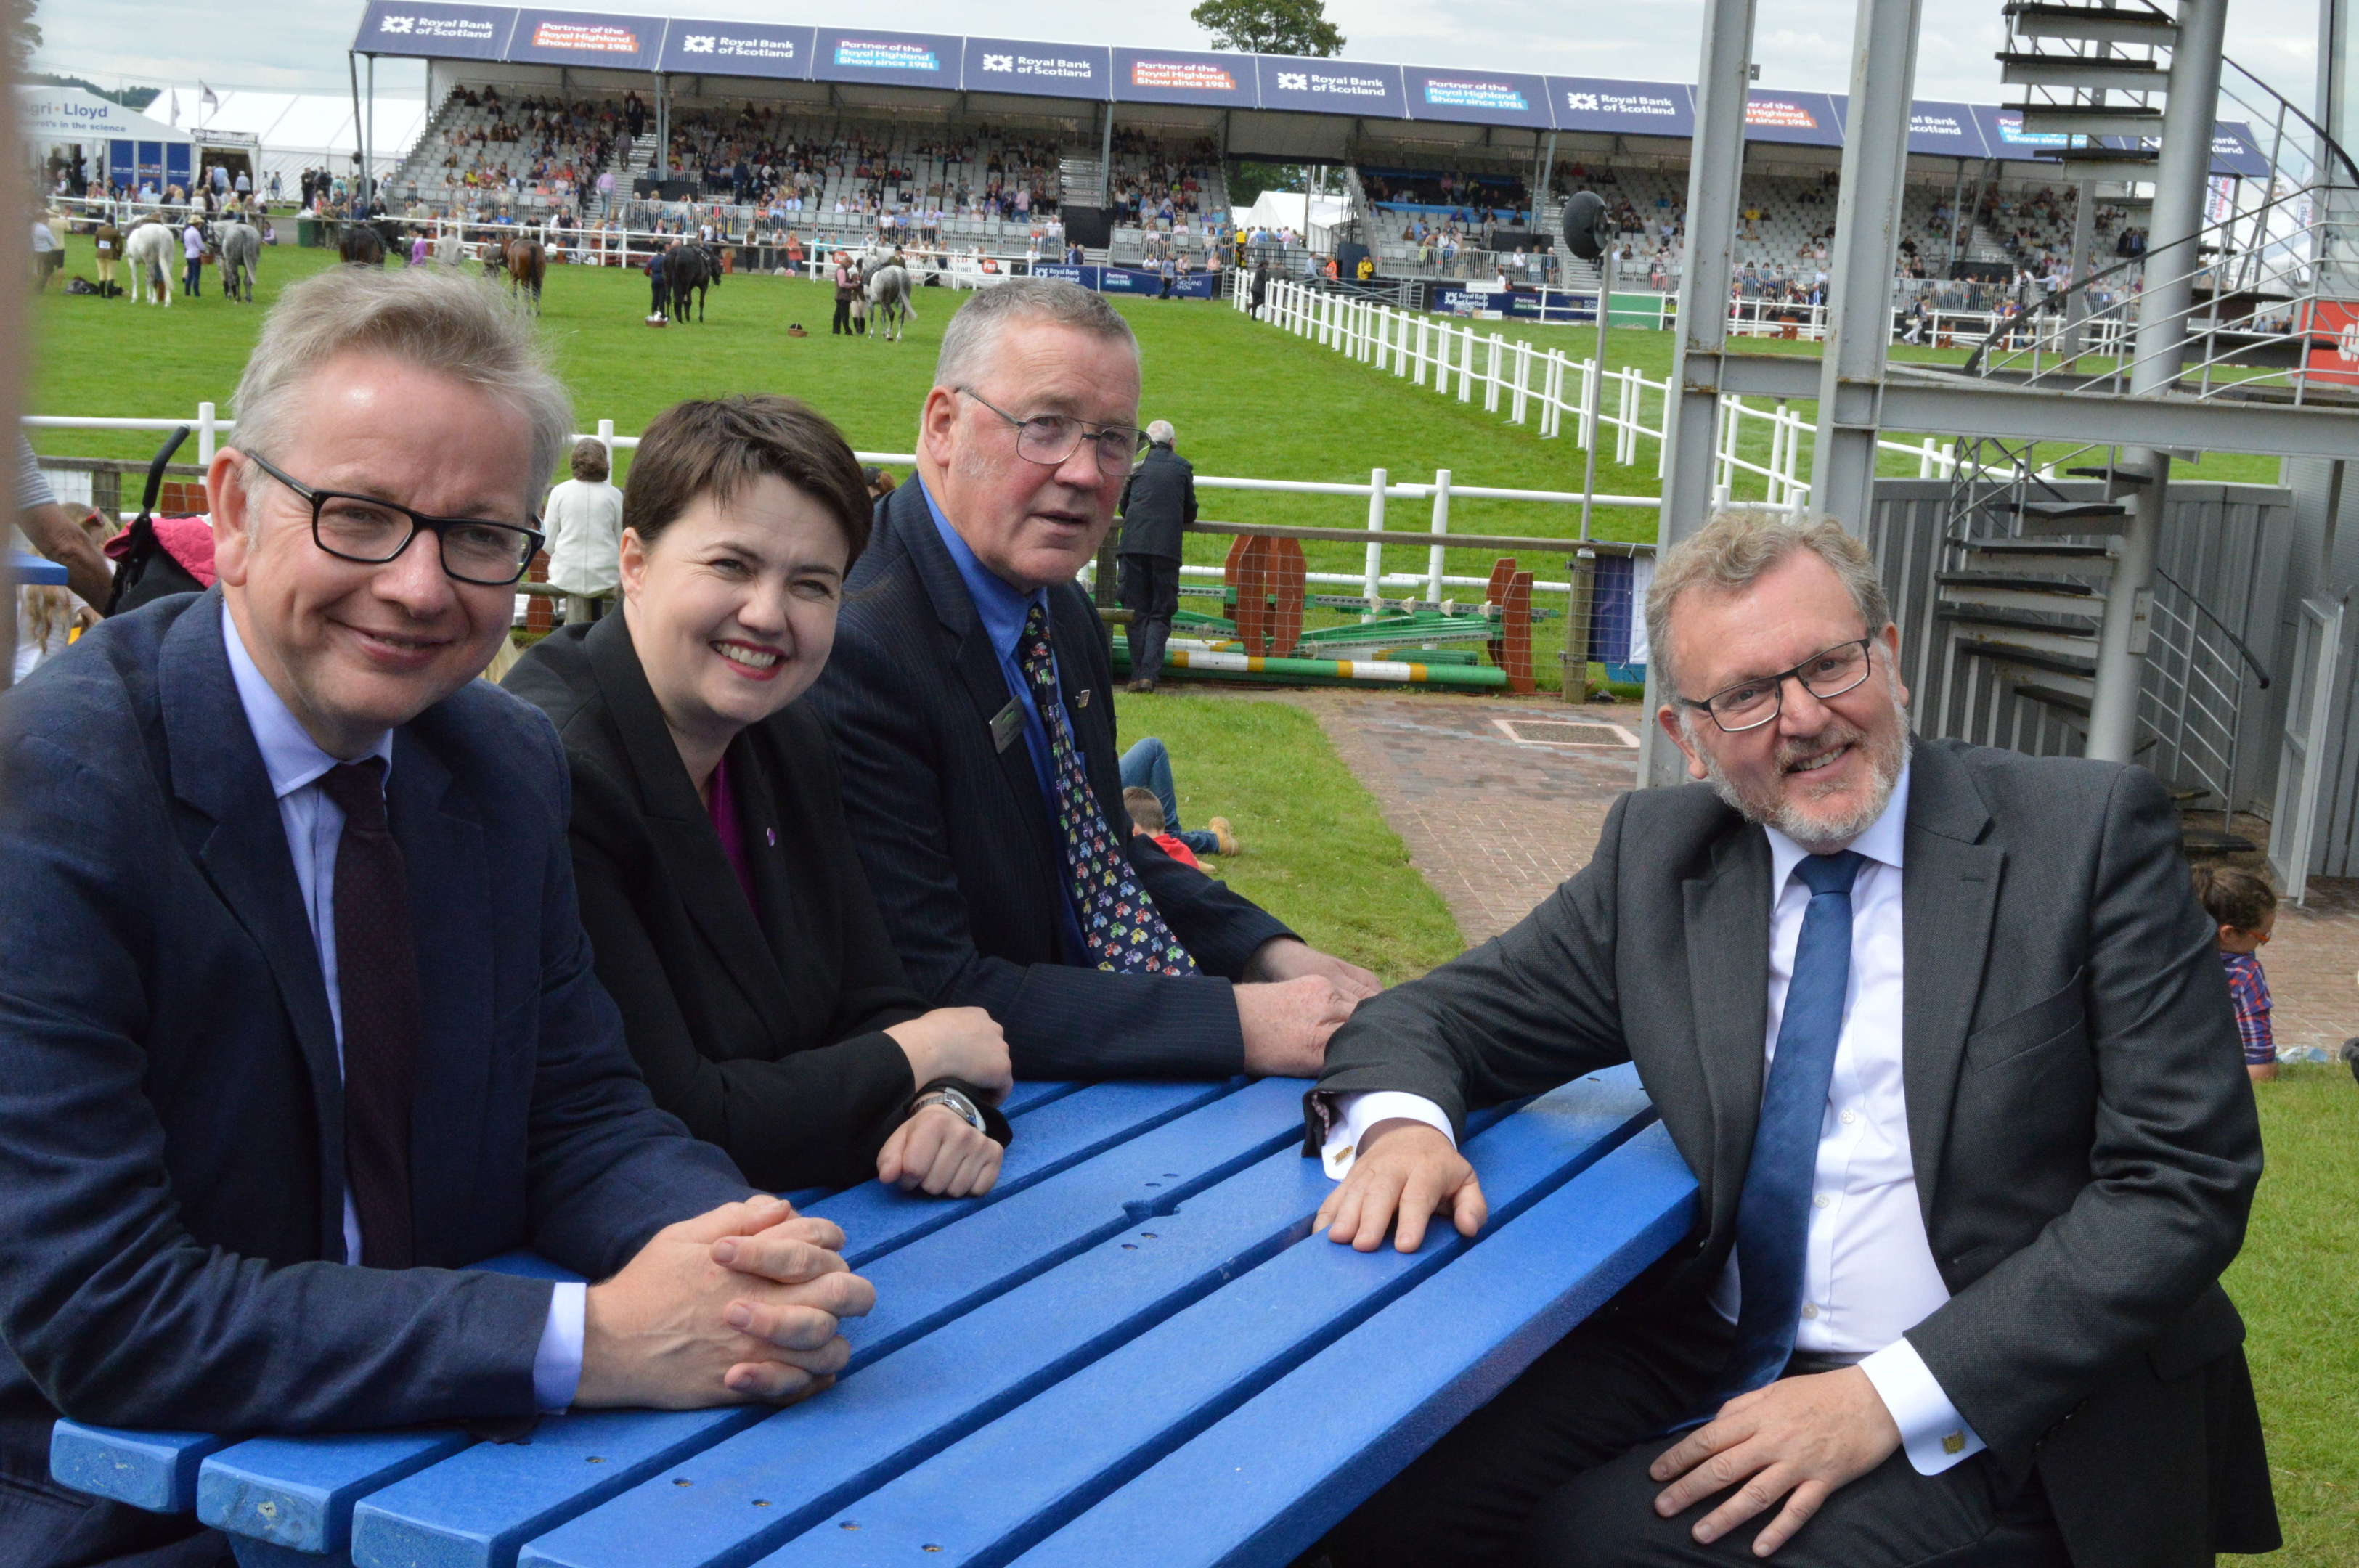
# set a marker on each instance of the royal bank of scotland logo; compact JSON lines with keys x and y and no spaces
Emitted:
{"x":999,"y":62}
{"x":1580,"y":100}
{"x":399,"y":24}
{"x":697,"y":43}
{"x":1293,"y":82}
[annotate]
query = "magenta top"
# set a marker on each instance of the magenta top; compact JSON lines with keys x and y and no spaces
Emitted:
{"x":724,"y":808}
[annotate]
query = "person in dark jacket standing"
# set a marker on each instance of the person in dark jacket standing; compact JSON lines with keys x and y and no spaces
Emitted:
{"x":1158,"y":504}
{"x":847,"y":284}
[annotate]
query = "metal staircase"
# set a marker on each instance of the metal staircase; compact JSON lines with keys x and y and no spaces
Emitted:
{"x":1081,"y":179}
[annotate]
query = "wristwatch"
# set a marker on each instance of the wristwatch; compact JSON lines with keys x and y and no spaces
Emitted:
{"x":954,"y":1101}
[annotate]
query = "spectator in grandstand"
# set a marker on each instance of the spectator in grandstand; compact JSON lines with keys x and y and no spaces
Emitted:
{"x":719,"y":887}
{"x":970,"y":704}
{"x":583,"y":520}
{"x":188,"y":1028}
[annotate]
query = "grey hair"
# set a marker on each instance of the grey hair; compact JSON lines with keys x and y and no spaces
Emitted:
{"x":1161,"y":433}
{"x":974,"y":331}
{"x":436,"y":319}
{"x":1735,"y":550}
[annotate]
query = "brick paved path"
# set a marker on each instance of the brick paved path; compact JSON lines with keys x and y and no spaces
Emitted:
{"x":1494,"y":817}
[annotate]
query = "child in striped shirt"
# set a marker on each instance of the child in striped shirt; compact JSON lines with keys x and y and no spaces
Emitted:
{"x":2244,"y":907}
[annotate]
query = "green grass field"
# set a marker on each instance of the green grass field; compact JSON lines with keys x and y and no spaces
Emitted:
{"x":1249,"y":401}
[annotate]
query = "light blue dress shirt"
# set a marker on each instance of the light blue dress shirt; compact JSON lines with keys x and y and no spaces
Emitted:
{"x":1003,"y":608}
{"x":314,"y":826}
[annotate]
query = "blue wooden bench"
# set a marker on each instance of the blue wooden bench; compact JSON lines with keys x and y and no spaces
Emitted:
{"x":32,"y":571}
{"x":1128,"y":1351}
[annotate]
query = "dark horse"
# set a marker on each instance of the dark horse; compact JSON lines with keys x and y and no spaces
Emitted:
{"x":528,"y":262}
{"x":688,"y":266}
{"x":363,"y":244}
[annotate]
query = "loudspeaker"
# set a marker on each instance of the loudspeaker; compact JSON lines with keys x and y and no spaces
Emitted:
{"x":1090,"y":227}
{"x":1587,"y":230}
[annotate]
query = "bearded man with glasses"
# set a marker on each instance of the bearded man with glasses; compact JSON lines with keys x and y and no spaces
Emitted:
{"x":298,"y":1019}
{"x":971,"y":702}
{"x":1940,"y":1030}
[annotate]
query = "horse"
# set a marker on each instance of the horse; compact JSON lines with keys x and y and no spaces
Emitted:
{"x":450,"y":250}
{"x":239,"y":246}
{"x":359,"y":245}
{"x":688,"y":266}
{"x":886,"y":281}
{"x":527,"y":263}
{"x":151,"y":248}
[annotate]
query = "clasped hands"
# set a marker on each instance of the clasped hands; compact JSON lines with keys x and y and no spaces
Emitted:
{"x":740,"y":1305}
{"x":1797,"y":1440}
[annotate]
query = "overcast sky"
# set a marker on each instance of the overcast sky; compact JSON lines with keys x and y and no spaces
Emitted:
{"x":1798,"y":43}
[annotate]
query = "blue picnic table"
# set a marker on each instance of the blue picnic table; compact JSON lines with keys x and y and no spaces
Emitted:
{"x":33,"y":571}
{"x":1133,"y":1349}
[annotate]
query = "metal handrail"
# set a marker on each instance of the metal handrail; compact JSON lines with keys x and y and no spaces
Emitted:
{"x":2250,"y":659}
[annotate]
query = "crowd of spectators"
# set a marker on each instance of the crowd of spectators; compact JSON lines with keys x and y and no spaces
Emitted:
{"x":1154,"y":185}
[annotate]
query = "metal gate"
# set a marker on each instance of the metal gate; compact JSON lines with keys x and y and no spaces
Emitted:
{"x":2308,"y":752}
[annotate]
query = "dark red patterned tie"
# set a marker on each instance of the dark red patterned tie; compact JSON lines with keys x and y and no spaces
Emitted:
{"x":377,"y":979}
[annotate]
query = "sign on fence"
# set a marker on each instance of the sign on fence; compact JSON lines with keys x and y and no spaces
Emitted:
{"x":1130,"y":280}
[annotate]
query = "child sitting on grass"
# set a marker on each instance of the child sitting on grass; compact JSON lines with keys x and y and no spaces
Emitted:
{"x":1147,"y":816}
{"x":2244,"y":907}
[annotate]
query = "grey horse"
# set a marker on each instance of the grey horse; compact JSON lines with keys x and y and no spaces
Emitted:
{"x":885,"y":281}
{"x":239,"y":246}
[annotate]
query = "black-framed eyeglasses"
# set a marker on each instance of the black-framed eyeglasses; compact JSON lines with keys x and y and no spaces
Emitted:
{"x":1050,"y":438}
{"x":372,"y":531}
{"x":1748,"y":704}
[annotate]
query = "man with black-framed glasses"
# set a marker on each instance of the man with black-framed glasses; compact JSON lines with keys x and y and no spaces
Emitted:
{"x":971,"y":701}
{"x":297,"y":1020}
{"x":1940,"y":1030}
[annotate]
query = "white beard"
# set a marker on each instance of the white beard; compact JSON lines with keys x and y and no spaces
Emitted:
{"x":1815,"y":830}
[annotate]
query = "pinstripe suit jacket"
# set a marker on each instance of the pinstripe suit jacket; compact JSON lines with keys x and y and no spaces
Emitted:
{"x":957,"y":840}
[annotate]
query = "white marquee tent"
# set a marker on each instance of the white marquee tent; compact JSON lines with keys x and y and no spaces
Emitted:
{"x":299,"y":130}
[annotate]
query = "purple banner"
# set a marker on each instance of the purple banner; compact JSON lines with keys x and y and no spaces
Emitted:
{"x":587,"y":37}
{"x":894,"y":60}
{"x":1040,"y":70}
{"x":1624,"y":108}
{"x":738,"y":48}
{"x":1329,"y":86}
{"x":1941,"y":130}
{"x":2004,"y":137}
{"x":435,"y":30}
{"x":1184,"y":76}
{"x":1808,"y":119}
{"x":2234,"y":153}
{"x":1476,"y":97}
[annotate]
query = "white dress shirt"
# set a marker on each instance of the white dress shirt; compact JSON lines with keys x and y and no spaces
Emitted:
{"x":314,"y":826}
{"x":1869,"y":1273}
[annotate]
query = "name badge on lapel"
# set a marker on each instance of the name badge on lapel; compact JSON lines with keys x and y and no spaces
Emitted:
{"x":1081,"y":698}
{"x":1006,"y":724}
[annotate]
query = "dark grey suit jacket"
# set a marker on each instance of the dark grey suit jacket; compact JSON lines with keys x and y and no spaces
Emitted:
{"x":957,"y":837}
{"x":2083,"y":1137}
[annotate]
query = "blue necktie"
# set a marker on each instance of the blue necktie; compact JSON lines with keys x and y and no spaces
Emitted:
{"x":1773,"y":1212}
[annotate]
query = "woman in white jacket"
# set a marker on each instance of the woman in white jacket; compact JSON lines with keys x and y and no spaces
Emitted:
{"x":583,"y":520}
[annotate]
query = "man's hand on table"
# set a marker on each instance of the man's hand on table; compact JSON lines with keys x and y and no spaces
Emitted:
{"x":1291,"y":959}
{"x":1287,"y":1023}
{"x":735,"y":1306}
{"x":1799,"y":1439}
{"x":1402,"y":1167}
{"x":941,"y":1153}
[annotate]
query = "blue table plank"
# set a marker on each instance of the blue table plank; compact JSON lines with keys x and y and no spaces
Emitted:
{"x":298,"y":1492}
{"x":1055,"y":1136}
{"x":32,"y":571}
{"x":1021,"y":1478}
{"x":1256,"y":1489}
{"x":498,"y":1495}
{"x":761,"y":1486}
{"x":151,"y":1470}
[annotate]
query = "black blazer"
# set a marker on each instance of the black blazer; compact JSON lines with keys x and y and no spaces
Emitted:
{"x":171,"y":1112}
{"x":2084,"y":1142}
{"x":1158,"y":504}
{"x":957,"y":838}
{"x":761,"y":1025}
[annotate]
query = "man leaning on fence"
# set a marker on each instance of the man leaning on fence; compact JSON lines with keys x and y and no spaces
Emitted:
{"x":970,"y":700}
{"x":298,"y":1019}
{"x":1158,"y":504}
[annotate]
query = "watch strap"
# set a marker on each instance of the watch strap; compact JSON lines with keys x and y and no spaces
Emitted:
{"x":995,"y":1122}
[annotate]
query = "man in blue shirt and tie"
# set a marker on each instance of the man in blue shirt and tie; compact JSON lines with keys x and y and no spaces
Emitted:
{"x":1954,"y":1293}
{"x":971,"y":697}
{"x":297,"y":1020}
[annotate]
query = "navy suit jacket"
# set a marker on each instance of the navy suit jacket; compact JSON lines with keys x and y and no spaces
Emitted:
{"x":958,"y":841}
{"x":171,"y":1111}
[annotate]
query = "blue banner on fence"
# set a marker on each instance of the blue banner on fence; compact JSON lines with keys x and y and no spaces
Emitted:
{"x":435,"y":30}
{"x":739,"y":49}
{"x":1611,"y":606}
{"x":1046,"y":71}
{"x":1131,"y":280}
